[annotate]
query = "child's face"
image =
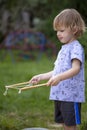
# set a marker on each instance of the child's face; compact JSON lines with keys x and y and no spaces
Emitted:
{"x":65,"y":35}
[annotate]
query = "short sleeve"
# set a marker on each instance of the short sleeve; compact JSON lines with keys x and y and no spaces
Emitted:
{"x":77,"y":52}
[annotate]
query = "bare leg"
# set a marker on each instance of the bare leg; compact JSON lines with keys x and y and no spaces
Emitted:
{"x":69,"y":127}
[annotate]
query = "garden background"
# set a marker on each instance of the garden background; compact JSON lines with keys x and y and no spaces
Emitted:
{"x":32,"y":108}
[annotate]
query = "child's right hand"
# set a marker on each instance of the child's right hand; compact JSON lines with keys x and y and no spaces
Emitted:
{"x":35,"y":79}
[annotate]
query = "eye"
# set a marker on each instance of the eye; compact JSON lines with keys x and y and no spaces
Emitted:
{"x":62,"y":30}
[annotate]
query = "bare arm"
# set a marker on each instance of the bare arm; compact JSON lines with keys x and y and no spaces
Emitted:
{"x":67,"y":74}
{"x":37,"y":78}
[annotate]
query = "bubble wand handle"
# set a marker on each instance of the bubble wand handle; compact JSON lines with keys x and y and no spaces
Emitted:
{"x":33,"y":86}
{"x":18,"y":84}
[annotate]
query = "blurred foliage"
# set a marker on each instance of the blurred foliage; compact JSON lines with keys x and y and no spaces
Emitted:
{"x":46,"y":7}
{"x":46,"y":10}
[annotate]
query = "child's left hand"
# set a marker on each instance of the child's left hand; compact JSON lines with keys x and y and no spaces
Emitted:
{"x":53,"y":81}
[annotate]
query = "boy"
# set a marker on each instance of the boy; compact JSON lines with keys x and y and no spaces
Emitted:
{"x":67,"y":78}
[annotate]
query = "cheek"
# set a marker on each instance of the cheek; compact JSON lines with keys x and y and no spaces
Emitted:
{"x":68,"y":35}
{"x":65,"y":35}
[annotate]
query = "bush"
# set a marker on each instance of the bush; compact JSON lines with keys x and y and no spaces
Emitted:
{"x":83,"y":41}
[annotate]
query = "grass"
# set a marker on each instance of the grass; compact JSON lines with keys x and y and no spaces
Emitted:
{"x":31,"y":108}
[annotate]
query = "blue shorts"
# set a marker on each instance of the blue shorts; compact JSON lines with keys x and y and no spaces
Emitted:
{"x":68,"y":113}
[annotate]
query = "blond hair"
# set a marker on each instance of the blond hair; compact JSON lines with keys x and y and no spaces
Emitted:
{"x":70,"y":18}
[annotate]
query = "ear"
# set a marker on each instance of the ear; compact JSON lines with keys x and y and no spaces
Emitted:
{"x":75,"y":30}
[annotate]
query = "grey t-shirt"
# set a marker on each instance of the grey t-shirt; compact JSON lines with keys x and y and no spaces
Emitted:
{"x":72,"y":89}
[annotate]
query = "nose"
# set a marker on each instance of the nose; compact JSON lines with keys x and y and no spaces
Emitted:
{"x":58,"y":33}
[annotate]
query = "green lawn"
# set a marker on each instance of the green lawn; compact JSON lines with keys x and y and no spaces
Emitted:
{"x":31,"y":108}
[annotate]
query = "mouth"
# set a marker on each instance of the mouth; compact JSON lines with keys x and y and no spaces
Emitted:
{"x":60,"y":38}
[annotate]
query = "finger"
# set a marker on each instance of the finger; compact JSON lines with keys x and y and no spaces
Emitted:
{"x":49,"y":83}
